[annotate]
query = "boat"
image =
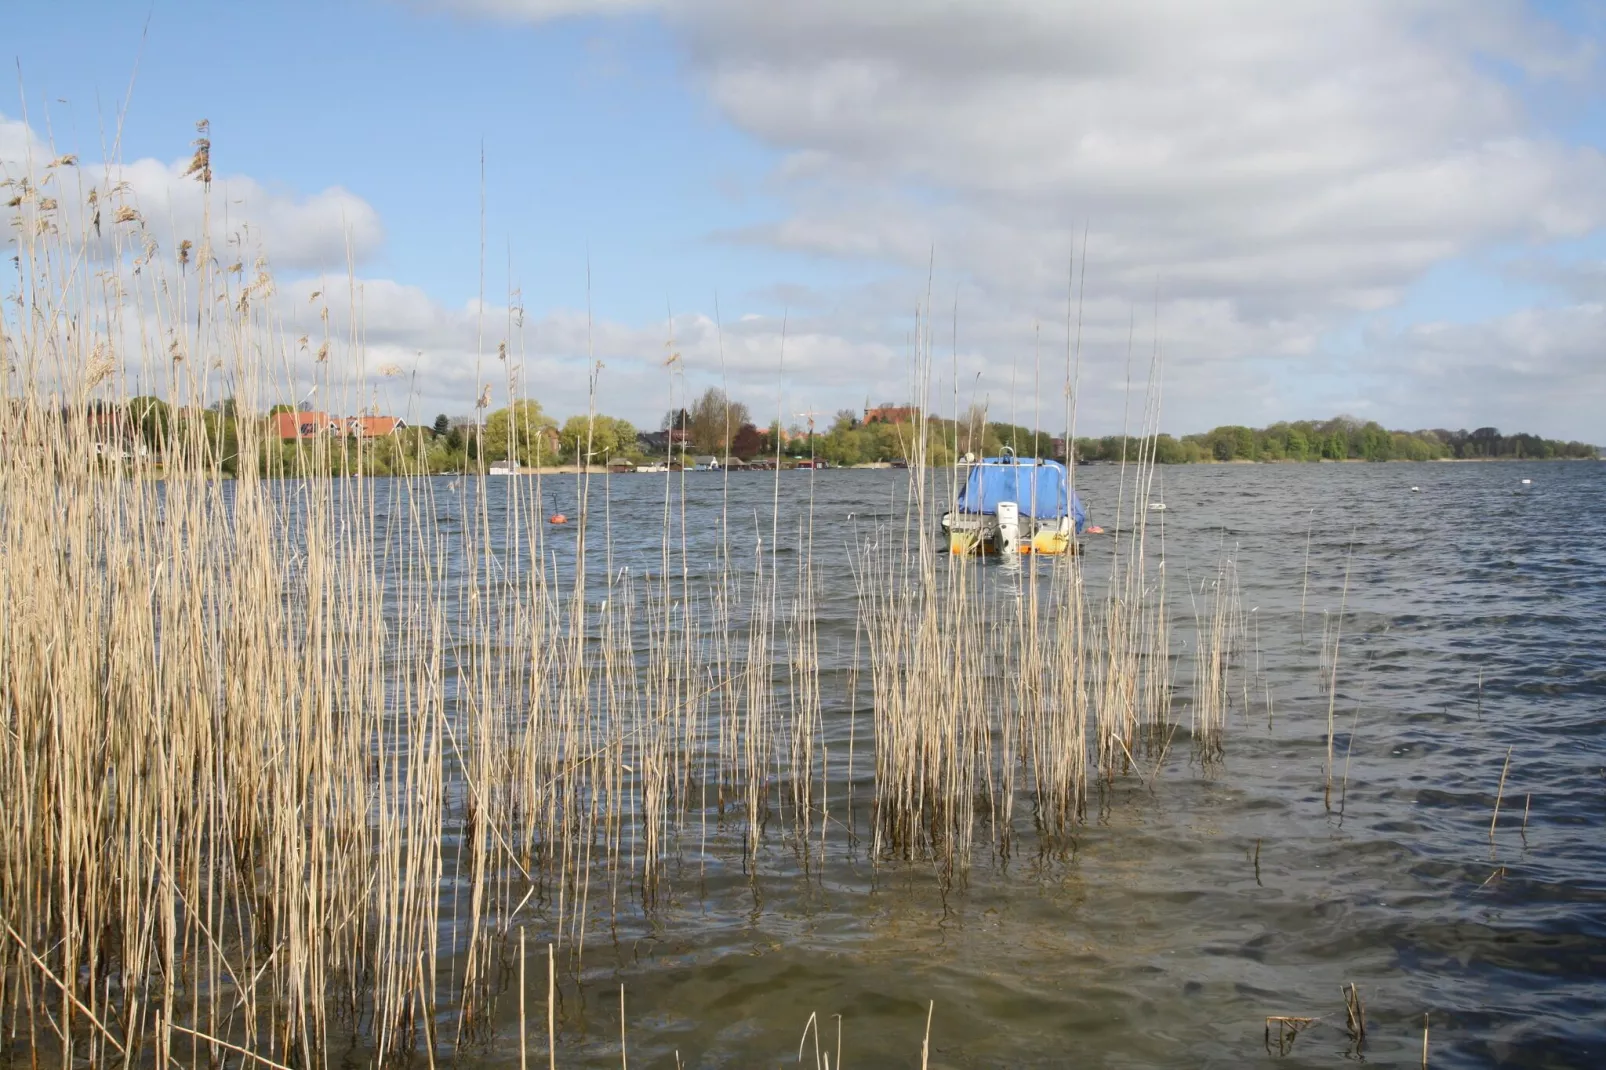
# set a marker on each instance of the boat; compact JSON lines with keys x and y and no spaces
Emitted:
{"x":651,"y":467}
{"x":1015,"y":505}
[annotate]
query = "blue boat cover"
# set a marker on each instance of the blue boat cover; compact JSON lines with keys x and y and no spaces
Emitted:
{"x":1039,"y":487}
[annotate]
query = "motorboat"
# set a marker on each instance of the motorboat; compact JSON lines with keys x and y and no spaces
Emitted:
{"x":1015,"y":505}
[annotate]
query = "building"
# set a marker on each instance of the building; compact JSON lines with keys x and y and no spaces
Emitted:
{"x":290,"y":425}
{"x":306,"y":424}
{"x":114,"y":432}
{"x":374,"y":426}
{"x":891,"y":414}
{"x":665,"y":442}
{"x":541,"y":445}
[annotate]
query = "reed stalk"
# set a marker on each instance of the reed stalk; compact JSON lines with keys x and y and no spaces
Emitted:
{"x":1499,"y":794}
{"x":292,"y":755}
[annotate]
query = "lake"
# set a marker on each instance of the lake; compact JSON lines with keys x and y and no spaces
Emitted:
{"x":1200,"y":897}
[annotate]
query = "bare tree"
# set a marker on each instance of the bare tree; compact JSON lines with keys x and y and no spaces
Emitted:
{"x":973,"y":430}
{"x":715,"y":419}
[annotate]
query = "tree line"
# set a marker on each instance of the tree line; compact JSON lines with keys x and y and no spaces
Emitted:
{"x":716,"y":425}
{"x":1342,"y":438}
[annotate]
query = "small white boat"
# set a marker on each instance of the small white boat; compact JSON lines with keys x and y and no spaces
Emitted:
{"x":1157,"y":507}
{"x":1526,"y":482}
{"x":1416,"y":490}
{"x":653,"y":467}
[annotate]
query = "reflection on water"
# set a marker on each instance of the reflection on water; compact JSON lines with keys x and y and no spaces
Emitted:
{"x":1197,"y":902}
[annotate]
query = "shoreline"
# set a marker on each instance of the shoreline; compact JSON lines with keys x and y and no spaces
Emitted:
{"x":159,"y":471}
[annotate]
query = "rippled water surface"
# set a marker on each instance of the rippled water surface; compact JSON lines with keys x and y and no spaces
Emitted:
{"x":1199,"y":900}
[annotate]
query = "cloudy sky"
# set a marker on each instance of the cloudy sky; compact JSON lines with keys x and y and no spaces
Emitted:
{"x":1392,"y":209}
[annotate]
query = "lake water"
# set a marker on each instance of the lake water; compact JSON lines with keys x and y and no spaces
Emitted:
{"x":1203,"y":898}
{"x":1474,"y":623}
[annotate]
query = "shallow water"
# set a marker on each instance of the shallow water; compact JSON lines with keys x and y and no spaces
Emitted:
{"x":1200,"y":900}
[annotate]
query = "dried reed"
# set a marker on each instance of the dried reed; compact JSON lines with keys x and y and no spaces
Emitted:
{"x":292,"y":756}
{"x":1354,"y":1014}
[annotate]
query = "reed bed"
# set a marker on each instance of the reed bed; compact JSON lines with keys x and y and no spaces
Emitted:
{"x":293,"y":757}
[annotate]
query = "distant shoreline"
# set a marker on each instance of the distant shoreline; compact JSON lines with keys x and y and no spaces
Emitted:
{"x":576,"y":470}
{"x":1360,"y":460}
{"x":159,"y":472}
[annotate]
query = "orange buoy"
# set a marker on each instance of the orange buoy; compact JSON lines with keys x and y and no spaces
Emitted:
{"x":557,"y":518}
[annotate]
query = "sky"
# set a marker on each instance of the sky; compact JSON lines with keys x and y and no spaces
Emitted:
{"x":1391,"y":209}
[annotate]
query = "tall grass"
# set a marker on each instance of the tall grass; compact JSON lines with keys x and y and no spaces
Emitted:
{"x":291,"y":757}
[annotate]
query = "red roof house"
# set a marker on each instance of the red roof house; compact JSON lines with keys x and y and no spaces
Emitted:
{"x":289,"y":425}
{"x":891,"y":414}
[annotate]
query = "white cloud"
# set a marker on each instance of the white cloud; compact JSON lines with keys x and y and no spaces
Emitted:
{"x":1543,"y":364}
{"x":1257,"y":176}
{"x":1273,"y":170}
{"x":312,"y":231}
{"x":1285,"y":155}
{"x":455,"y":352}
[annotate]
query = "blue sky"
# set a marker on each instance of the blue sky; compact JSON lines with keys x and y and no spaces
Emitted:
{"x":594,"y":143}
{"x":1393,"y":208}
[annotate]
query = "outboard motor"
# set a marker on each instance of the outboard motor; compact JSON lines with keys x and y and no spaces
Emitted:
{"x":1009,"y":527}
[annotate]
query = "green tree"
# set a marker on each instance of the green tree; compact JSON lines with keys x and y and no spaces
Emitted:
{"x":1298,"y":448}
{"x":595,"y":440}
{"x":773,"y":440}
{"x":442,"y":424}
{"x":153,"y":417}
{"x":844,"y":446}
{"x":1223,"y":443}
{"x":893,"y":442}
{"x":517,"y":432}
{"x":1375,"y":443}
{"x":1167,"y":450}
